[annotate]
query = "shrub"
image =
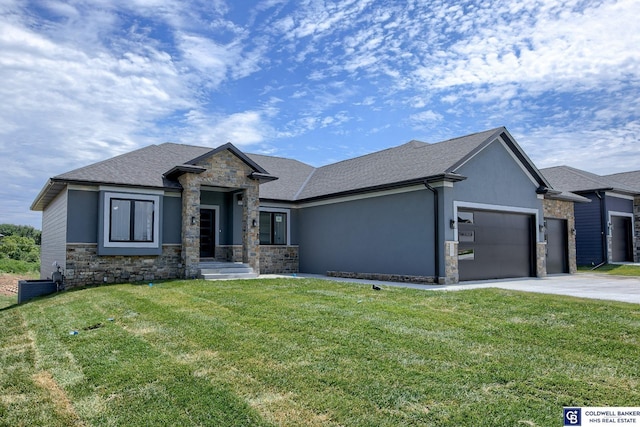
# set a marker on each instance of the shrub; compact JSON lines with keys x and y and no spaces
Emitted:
{"x":19,"y":248}
{"x":13,"y":266}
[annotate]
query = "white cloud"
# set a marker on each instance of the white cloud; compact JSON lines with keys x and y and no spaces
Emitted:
{"x":241,"y":129}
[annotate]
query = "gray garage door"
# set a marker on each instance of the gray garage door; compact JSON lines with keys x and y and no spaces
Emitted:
{"x":621,"y":239}
{"x":495,"y":245}
{"x":557,"y":246}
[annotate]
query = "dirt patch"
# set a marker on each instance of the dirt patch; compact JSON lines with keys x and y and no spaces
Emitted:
{"x":9,"y":282}
{"x":45,"y":380}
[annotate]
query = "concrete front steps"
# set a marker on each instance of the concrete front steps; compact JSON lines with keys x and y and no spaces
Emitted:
{"x":220,"y":270}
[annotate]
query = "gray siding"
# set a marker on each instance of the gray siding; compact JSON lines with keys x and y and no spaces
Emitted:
{"x":390,"y":234}
{"x":172,"y":220}
{"x":54,"y":233}
{"x":82,"y":216}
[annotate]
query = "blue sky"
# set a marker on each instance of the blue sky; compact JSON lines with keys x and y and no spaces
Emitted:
{"x":318,"y":81}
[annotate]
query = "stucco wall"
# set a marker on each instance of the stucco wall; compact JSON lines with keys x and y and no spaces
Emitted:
{"x":494,"y":177}
{"x":390,"y":234}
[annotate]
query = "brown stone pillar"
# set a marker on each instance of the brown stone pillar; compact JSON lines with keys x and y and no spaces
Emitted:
{"x":251,"y":233}
{"x":190,"y":224}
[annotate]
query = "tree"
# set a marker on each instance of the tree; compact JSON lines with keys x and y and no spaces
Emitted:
{"x":19,"y":248}
{"x":22,"y":231}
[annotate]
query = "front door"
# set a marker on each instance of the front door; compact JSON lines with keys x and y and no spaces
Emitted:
{"x":557,"y":246}
{"x":207,"y":233}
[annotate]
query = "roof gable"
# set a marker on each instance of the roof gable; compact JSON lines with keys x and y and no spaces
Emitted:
{"x":193,"y":165}
{"x":575,"y":180}
{"x":414,"y":161}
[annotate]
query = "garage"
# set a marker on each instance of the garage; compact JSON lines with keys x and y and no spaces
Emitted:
{"x":495,"y":245}
{"x":557,"y":246}
{"x":621,"y":239}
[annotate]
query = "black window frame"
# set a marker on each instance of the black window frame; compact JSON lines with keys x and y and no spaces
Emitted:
{"x":132,"y":220}
{"x":272,"y":216}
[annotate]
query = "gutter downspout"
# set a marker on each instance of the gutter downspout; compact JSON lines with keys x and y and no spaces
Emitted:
{"x":436,"y":230}
{"x":604,"y":230}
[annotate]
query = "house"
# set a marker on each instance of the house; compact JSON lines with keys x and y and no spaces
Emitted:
{"x":632,"y":180}
{"x":605,"y":227}
{"x":468,"y":208}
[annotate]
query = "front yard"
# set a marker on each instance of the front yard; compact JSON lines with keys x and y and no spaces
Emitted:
{"x":308,"y":352}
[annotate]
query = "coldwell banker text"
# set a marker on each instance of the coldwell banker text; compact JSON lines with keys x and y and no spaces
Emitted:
{"x":591,"y":416}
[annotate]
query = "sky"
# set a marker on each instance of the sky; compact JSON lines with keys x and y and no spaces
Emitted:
{"x":318,"y":81}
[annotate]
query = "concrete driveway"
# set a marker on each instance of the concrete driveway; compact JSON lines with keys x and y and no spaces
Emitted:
{"x":583,"y":285}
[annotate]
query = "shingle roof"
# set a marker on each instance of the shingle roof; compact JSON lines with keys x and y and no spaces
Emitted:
{"x":629,"y":179}
{"x":414,"y":161}
{"x":566,"y":178}
{"x":292,"y":176}
{"x":144,"y":167}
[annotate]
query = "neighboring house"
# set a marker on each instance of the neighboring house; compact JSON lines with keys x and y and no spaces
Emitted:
{"x":468,"y":208}
{"x":632,"y":180}
{"x":604,"y":227}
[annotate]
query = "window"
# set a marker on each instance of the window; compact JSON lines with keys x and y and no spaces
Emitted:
{"x":131,"y":220}
{"x":273,"y":228}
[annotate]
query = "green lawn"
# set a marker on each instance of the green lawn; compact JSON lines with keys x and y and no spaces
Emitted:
{"x":308,"y":352}
{"x":614,"y":269}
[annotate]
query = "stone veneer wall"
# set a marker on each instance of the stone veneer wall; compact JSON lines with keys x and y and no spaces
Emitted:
{"x":541,"y":259}
{"x":275,"y":259}
{"x":85,"y":267}
{"x":224,"y":169}
{"x":229,"y":253}
{"x":564,"y":210}
{"x":421,"y":280}
{"x":452,"y":274}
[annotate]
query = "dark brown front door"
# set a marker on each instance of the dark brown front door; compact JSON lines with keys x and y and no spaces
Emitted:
{"x":207,"y":233}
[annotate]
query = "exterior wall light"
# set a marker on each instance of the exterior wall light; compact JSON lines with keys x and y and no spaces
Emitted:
{"x":452,"y":223}
{"x":254,"y":223}
{"x":193,"y":220}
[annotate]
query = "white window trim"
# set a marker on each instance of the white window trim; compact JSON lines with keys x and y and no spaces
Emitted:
{"x":107,"y":216}
{"x":497,"y":208}
{"x":216,"y":220}
{"x":284,"y":211}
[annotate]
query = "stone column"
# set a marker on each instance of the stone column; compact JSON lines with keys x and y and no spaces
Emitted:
{"x":541,"y":259}
{"x":251,"y":234}
{"x":452,"y":275}
{"x":190,"y":224}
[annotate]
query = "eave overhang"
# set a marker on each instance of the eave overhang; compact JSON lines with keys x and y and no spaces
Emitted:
{"x":262,"y":177}
{"x":446,"y":177}
{"x":179,"y":170}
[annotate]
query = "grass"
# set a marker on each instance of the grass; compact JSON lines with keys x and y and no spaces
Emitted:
{"x":614,"y":269}
{"x":18,"y":267}
{"x":304,"y":352}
